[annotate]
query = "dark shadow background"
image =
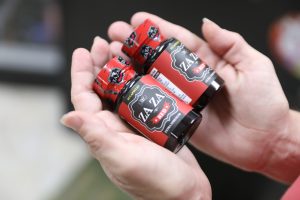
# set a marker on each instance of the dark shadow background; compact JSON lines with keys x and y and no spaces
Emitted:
{"x":251,"y":18}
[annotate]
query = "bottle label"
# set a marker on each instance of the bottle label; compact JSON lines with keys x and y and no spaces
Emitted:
{"x":170,"y":86}
{"x":116,"y":76}
{"x":153,"y":108}
{"x":153,"y":33}
{"x":189,"y":65}
{"x":146,"y":51}
{"x":129,"y":42}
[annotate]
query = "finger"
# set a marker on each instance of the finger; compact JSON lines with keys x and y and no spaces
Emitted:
{"x":229,"y":45}
{"x":99,"y":136}
{"x":186,"y":155}
{"x":100,"y":52}
{"x":119,"y":31}
{"x":101,"y":139}
{"x":134,"y":166}
{"x":115,"y":49}
{"x":189,"y":39}
{"x":112,"y":118}
{"x":168,"y":29}
{"x":82,"y":77}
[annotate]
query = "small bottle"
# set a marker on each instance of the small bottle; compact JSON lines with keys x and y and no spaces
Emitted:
{"x":146,"y":105}
{"x":172,"y":64}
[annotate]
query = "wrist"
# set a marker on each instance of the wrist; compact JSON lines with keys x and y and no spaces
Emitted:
{"x":284,"y":158}
{"x":200,"y":190}
{"x":197,"y":188}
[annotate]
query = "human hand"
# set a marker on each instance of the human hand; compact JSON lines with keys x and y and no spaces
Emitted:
{"x":247,"y":124}
{"x":138,"y":166}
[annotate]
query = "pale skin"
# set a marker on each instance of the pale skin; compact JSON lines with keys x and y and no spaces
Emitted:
{"x":248,"y":125}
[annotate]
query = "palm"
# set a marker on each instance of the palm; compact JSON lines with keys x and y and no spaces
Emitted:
{"x":130,"y":161}
{"x":230,"y":129}
{"x":133,"y":162}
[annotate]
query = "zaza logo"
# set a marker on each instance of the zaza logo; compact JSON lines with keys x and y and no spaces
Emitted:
{"x":130,"y":40}
{"x":188,"y":64}
{"x":153,"y":33}
{"x":116,"y":76}
{"x":147,"y":51}
{"x":123,"y":61}
{"x":153,"y":108}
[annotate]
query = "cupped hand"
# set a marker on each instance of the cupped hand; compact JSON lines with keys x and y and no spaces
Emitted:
{"x":244,"y":122}
{"x":138,"y":166}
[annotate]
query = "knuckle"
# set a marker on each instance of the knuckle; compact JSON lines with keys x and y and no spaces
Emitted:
{"x":76,"y":99}
{"x":78,"y":51}
{"x":129,"y":169}
{"x":267,"y":60}
{"x":105,"y":114}
{"x":238,"y":37}
{"x":263,"y":60}
{"x":93,"y":143}
{"x":92,"y":137}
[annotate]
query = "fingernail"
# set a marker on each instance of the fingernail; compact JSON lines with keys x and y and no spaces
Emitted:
{"x":97,"y":38}
{"x":212,"y":23}
{"x":205,"y":20}
{"x":71,"y":121}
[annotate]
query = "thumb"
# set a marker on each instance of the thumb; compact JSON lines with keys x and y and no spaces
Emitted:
{"x":229,"y":45}
{"x":94,"y":131}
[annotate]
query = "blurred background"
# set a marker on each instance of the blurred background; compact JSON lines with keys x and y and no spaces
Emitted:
{"x":41,"y":160}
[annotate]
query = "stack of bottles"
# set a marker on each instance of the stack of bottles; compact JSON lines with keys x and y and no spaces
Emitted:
{"x":162,"y":90}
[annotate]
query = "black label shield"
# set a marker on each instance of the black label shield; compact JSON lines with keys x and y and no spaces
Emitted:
{"x":129,"y":42}
{"x":153,"y":33}
{"x":153,"y":108}
{"x":116,"y":76}
{"x":146,"y":51}
{"x":189,"y":64}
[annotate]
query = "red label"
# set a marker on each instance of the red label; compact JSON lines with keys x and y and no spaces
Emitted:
{"x":161,"y":114}
{"x":152,"y":110}
{"x":184,"y":69}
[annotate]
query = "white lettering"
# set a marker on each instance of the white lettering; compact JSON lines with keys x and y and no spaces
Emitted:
{"x":185,"y":65}
{"x":194,"y":56}
{"x":156,"y":101}
{"x":145,"y":115}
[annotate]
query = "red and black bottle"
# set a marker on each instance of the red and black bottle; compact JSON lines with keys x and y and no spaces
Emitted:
{"x":146,"y":105}
{"x":172,"y":64}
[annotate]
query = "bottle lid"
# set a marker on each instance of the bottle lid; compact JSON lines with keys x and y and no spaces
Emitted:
{"x":141,"y":43}
{"x":112,"y":78}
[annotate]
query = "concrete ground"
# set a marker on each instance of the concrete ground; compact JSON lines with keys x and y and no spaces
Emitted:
{"x":39,"y":158}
